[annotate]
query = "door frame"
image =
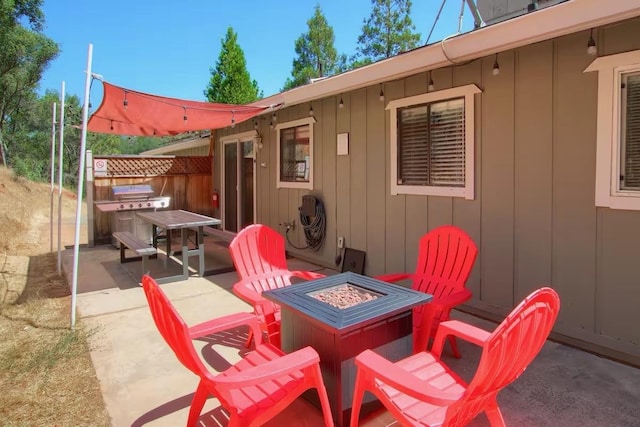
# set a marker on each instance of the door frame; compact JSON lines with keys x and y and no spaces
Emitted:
{"x":237,"y":139}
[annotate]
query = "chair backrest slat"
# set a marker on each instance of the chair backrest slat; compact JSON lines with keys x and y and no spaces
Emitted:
{"x":258,"y":249}
{"x":445,"y":252}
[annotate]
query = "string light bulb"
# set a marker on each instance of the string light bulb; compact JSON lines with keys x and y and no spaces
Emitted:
{"x":496,"y":66}
{"x":341,"y":104}
{"x":311,"y":113}
{"x":274,"y":118}
{"x":381,"y":96}
{"x":184,"y":116}
{"x":233,"y":119}
{"x":430,"y":86}
{"x":255,"y":124}
{"x":111,"y":124}
{"x":592,"y":49}
{"x":125,"y":102}
{"x":270,"y":125}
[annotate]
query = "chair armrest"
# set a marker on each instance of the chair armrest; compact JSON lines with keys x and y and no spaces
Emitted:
{"x":243,"y":291}
{"x":307,"y":275}
{"x":272,"y":369}
{"x":454,"y":299}
{"x":224,"y":323}
{"x":393,"y":375}
{"x":459,"y":329}
{"x":394,"y":277}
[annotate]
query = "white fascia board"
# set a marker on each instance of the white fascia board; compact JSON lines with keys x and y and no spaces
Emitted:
{"x":200,"y":142}
{"x":544,"y":24}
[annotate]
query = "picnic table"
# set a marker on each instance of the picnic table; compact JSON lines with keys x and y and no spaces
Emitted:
{"x":184,"y":221}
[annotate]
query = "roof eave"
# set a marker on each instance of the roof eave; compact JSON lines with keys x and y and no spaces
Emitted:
{"x":544,"y":24}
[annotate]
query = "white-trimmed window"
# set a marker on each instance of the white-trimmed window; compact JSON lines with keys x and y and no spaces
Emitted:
{"x":295,"y":154}
{"x":618,"y":135}
{"x":432,"y":143}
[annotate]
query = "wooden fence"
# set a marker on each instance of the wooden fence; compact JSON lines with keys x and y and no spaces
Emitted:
{"x":187,"y":180}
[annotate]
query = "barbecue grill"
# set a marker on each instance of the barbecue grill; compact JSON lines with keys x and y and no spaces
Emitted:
{"x":125,"y":201}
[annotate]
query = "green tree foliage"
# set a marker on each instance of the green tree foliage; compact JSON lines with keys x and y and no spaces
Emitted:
{"x":387,"y":32}
{"x":316,"y":53}
{"x":24,"y":55}
{"x":230,"y":81}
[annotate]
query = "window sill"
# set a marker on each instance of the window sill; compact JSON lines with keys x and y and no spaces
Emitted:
{"x":419,"y":190}
{"x":295,"y":185}
{"x":627,"y":202}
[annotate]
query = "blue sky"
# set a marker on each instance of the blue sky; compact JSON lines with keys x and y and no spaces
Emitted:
{"x":167,"y":47}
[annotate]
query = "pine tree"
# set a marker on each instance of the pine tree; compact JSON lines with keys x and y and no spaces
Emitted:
{"x":387,"y":32}
{"x":317,"y":55}
{"x":230,"y":81}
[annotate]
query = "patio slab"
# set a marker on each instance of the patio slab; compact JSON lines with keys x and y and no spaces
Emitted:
{"x":144,"y":384}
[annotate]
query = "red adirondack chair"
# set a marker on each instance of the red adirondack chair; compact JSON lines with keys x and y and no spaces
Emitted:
{"x":258,"y":254}
{"x":445,"y":258}
{"x":253,"y":390}
{"x":422,"y":391}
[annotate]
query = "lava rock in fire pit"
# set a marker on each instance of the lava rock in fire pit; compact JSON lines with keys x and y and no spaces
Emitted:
{"x":344,"y":296}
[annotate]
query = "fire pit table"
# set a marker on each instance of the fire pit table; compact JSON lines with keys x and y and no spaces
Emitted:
{"x":340,"y":316}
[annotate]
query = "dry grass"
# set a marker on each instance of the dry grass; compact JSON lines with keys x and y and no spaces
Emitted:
{"x":46,"y":374}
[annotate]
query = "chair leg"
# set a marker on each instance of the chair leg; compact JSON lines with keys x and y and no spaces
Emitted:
{"x":324,"y":398}
{"x":494,"y":415}
{"x":358,"y":395}
{"x":454,"y":346}
{"x":199,"y":398}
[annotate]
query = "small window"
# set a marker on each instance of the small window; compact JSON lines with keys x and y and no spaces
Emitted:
{"x":618,"y":136}
{"x":630,"y":132}
{"x":432,"y":143}
{"x":295,"y":154}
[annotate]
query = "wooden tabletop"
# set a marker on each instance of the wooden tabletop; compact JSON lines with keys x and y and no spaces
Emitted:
{"x":177,"y":219}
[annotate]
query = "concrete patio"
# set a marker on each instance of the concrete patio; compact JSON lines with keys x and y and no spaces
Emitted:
{"x":144,"y":384}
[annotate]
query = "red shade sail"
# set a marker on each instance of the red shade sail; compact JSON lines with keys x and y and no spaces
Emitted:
{"x":129,"y":112}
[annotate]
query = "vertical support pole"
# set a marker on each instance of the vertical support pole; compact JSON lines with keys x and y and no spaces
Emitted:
{"x":83,"y":148}
{"x":60,"y":176}
{"x":53,"y":173}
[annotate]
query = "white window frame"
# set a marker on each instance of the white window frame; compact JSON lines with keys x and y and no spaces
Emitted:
{"x":608,"y":138}
{"x":468,"y":191}
{"x":292,"y":124}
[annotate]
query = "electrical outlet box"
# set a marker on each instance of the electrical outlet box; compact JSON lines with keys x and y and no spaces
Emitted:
{"x":340,"y":242}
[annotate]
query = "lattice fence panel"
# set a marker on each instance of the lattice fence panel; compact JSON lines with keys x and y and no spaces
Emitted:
{"x":151,"y":166}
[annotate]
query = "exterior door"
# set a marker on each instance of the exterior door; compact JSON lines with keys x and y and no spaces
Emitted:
{"x":238,"y":198}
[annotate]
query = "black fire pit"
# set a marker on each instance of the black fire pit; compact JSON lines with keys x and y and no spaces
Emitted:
{"x":340,"y":316}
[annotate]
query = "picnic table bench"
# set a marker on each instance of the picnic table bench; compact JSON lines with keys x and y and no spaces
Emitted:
{"x":139,"y":246}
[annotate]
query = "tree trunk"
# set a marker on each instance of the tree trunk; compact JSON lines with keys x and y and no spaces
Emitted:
{"x":3,"y":160}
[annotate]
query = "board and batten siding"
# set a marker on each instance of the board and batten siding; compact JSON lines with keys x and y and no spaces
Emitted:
{"x":533,"y":217}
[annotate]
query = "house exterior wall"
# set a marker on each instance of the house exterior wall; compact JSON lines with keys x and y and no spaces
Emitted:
{"x":533,"y":216}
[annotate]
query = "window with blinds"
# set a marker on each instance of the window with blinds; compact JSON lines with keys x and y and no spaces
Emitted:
{"x":431,"y":144}
{"x":630,"y":132}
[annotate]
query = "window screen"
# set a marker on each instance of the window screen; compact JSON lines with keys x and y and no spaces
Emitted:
{"x":630,"y":150}
{"x":431,"y":144}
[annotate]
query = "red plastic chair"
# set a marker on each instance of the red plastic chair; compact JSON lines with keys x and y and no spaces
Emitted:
{"x":253,"y":390}
{"x":422,"y":391}
{"x":258,"y":254}
{"x":445,"y":258}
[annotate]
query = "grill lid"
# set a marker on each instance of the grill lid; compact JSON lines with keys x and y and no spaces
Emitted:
{"x":131,"y":191}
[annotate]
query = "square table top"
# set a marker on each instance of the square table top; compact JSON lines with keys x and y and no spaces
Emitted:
{"x":392,"y":299}
{"x":175,"y":219}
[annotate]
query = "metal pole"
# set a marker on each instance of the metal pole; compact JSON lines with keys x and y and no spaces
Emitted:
{"x":60,"y":161}
{"x":53,"y":173}
{"x":83,"y":147}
